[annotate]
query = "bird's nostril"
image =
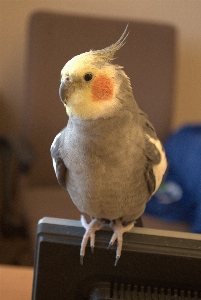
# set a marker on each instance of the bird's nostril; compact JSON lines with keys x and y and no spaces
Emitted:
{"x":65,"y":79}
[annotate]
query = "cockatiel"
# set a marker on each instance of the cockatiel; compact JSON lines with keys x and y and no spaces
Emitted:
{"x":108,"y":157}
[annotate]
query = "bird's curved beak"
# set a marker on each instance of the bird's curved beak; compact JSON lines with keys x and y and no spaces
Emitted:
{"x":65,"y":90}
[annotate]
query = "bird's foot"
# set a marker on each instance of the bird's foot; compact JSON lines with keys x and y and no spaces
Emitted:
{"x":119,"y":230}
{"x":91,"y":228}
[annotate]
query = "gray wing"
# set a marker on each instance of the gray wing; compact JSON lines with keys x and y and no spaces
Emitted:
{"x":58,"y":164}
{"x":151,"y":152}
{"x":153,"y":158}
{"x":147,"y":125}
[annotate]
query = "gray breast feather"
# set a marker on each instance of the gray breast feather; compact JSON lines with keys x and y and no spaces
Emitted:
{"x":112,"y":171}
{"x":105,"y":166}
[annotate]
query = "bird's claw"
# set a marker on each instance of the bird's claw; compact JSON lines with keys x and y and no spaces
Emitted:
{"x":116,"y":260}
{"x":118,"y":229}
{"x":97,"y":224}
{"x":109,"y":246}
{"x":91,"y":228}
{"x":81,"y":259}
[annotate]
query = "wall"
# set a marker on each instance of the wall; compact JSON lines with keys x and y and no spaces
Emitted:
{"x":185,"y":15}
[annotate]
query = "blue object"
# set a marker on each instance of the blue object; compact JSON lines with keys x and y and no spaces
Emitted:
{"x":179,"y":197}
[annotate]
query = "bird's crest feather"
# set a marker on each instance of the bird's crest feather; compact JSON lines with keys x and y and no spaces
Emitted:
{"x":107,"y":54}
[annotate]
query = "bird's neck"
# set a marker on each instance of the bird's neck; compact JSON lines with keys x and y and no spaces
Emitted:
{"x":101,"y":125}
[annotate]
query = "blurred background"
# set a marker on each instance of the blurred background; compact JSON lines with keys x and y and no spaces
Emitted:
{"x":184,"y":16}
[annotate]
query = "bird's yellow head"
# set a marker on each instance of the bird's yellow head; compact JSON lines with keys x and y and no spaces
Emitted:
{"x":90,"y":85}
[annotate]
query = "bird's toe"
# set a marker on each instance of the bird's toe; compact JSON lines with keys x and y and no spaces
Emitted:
{"x":91,"y":228}
{"x":119,"y":230}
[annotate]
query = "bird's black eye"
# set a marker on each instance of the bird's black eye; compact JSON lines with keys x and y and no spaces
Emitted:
{"x":88,"y":77}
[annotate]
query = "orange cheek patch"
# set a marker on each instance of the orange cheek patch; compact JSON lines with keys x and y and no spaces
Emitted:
{"x":102,"y":88}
